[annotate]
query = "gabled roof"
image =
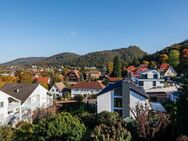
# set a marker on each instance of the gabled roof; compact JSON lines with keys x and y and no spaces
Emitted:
{"x":60,"y":86}
{"x":19,"y":91}
{"x":118,"y":84}
{"x":89,"y":85}
{"x":76,"y":72}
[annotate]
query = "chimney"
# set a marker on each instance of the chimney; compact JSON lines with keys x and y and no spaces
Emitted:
{"x":17,"y":90}
{"x":126,"y":98}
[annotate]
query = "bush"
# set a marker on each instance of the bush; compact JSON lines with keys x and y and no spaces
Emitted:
{"x":6,"y":133}
{"x":79,"y":98}
{"x":107,"y":118}
{"x":62,"y":127}
{"x":116,"y":132}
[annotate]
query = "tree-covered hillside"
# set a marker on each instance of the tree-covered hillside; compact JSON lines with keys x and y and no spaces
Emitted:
{"x":98,"y":59}
{"x":169,"y":53}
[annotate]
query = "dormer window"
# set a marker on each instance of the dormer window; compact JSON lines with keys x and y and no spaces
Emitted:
{"x":155,"y":76}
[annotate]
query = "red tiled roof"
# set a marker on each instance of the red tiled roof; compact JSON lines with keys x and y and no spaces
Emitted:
{"x":42,"y":79}
{"x":131,"y":68}
{"x":164,"y":66}
{"x":137,"y":71}
{"x":89,"y":85}
{"x":113,"y":79}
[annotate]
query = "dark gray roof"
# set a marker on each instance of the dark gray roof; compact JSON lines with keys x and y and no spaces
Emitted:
{"x":132,"y":86}
{"x":19,"y":91}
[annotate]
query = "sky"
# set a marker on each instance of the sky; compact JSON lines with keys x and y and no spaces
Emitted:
{"x":46,"y":27}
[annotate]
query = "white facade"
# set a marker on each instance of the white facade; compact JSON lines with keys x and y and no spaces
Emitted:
{"x":76,"y":91}
{"x":9,"y":109}
{"x":136,"y":99}
{"x":55,"y":91}
{"x":170,"y":72}
{"x":149,"y":79}
{"x":105,"y":102}
{"x":39,"y":99}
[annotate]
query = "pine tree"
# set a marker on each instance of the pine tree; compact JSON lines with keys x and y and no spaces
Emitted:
{"x":117,"y":67}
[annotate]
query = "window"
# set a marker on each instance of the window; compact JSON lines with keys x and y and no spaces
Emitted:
{"x":141,"y":83}
{"x":118,"y":102}
{"x":120,"y":112}
{"x":154,"y":83}
{"x":1,"y":104}
{"x":144,"y":76}
{"x":153,"y":99}
{"x":155,"y":76}
{"x":118,"y":91}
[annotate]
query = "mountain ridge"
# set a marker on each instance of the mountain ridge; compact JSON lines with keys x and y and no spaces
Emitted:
{"x":96,"y":58}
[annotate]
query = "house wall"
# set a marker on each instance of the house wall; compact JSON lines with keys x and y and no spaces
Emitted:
{"x":104,"y":102}
{"x":4,"y":109}
{"x":149,"y":84}
{"x":55,"y":91}
{"x":84,"y":91}
{"x":135,"y":99}
{"x":9,"y":110}
{"x":170,"y":72}
{"x":38,"y":99}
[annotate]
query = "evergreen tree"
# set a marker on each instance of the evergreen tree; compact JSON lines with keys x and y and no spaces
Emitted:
{"x":117,"y":67}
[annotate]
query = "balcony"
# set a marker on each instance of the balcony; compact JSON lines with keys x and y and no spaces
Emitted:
{"x":13,"y":105}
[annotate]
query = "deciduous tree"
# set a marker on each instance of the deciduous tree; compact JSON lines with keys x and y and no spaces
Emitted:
{"x":174,"y":58}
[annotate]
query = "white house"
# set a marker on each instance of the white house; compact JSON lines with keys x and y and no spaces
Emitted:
{"x":82,"y":88}
{"x":167,"y":70}
{"x":30,"y":96}
{"x":10,"y":109}
{"x":57,"y":89}
{"x":121,"y":97}
{"x":149,"y":79}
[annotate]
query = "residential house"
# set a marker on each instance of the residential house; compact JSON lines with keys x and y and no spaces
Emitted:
{"x":57,"y":89}
{"x":149,"y":79}
{"x":163,"y":94}
{"x":93,"y":74}
{"x":31,"y":97}
{"x":167,"y":70}
{"x":131,"y":69}
{"x":82,"y":88}
{"x":73,"y":76}
{"x":121,"y":97}
{"x":10,"y":109}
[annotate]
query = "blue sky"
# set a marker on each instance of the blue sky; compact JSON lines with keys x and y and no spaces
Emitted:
{"x":47,"y":27}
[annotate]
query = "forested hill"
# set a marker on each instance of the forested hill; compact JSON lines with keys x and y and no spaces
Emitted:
{"x":180,"y":48}
{"x":97,"y":59}
{"x":23,"y":61}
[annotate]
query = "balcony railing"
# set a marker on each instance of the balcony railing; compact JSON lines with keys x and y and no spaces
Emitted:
{"x":13,"y":105}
